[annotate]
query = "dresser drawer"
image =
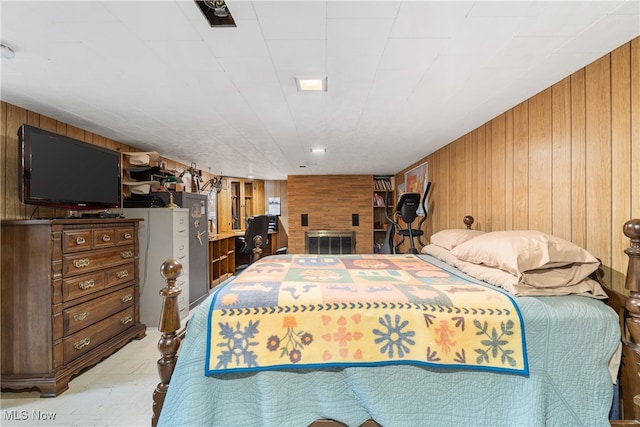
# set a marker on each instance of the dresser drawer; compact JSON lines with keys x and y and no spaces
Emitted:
{"x":83,"y":315}
{"x":181,"y":224}
{"x":120,"y":274}
{"x":78,"y":286}
{"x":89,"y":338}
{"x":104,"y":238}
{"x":84,"y":262}
{"x":181,"y":249}
{"x":125,"y":236}
{"x":76,"y":240}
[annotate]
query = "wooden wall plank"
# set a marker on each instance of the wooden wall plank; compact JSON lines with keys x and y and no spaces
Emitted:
{"x":635,"y":127}
{"x":445,"y":208}
{"x":561,"y":159}
{"x":4,"y":144}
{"x":620,"y":152}
{"x":474,"y":176}
{"x":509,"y":170}
{"x":468,"y":175}
{"x":578,"y":160}
{"x":487,"y":179}
{"x":457,"y":189}
{"x":598,"y":158}
{"x":540,"y":163}
{"x":498,"y":171}
{"x":521,"y":166}
{"x":481,"y":220}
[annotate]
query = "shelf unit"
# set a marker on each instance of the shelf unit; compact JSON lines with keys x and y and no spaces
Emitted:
{"x":238,"y":200}
{"x":383,"y":200}
{"x":222,"y":258}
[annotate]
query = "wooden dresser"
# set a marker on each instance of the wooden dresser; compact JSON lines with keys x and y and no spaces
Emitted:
{"x":70,"y":298}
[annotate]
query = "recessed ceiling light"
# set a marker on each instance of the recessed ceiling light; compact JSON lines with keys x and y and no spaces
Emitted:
{"x":318,"y":150}
{"x":311,"y":83}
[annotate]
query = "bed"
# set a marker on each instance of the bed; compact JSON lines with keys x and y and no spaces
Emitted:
{"x":548,"y":357}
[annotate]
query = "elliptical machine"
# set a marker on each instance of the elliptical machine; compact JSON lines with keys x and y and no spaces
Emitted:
{"x":407,"y":210}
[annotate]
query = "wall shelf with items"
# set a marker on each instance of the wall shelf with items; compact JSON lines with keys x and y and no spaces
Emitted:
{"x":383,"y":201}
{"x":222,"y":258}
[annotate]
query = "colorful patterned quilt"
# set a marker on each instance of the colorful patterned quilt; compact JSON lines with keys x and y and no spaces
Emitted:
{"x":303,"y":311}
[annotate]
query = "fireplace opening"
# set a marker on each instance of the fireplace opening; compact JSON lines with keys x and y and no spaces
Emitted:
{"x":329,"y":242}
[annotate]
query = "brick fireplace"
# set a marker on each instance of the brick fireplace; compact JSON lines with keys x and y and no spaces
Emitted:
{"x":328,"y":203}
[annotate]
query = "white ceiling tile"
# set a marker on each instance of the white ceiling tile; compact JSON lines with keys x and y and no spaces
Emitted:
{"x":405,"y":77}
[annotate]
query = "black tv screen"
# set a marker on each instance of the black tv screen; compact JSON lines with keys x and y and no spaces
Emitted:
{"x":62,"y":172}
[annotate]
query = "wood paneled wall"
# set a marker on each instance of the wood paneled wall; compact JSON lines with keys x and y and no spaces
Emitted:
{"x":566,"y":162}
{"x":329,"y":201}
{"x":11,"y":118}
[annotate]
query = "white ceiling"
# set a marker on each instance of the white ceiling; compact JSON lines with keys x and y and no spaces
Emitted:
{"x":405,"y":77}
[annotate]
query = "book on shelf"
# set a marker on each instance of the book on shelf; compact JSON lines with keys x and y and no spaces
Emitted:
{"x":378,"y":200}
{"x":382,"y":184}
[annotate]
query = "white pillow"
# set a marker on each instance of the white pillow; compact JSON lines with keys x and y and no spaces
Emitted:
{"x":451,"y":238}
{"x":536,"y":258}
{"x":510,"y":283}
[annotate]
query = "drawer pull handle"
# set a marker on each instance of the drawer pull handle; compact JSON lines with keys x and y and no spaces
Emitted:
{"x":80,"y":241}
{"x":122,"y":274}
{"x":126,"y":298}
{"x":126,"y":254}
{"x":126,"y":320}
{"x":82,"y":343}
{"x":128,"y":236}
{"x":106,"y":238}
{"x":81,"y":316}
{"x":87,"y":284}
{"x":81,"y":263}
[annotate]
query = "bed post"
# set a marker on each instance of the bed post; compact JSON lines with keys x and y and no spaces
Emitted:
{"x":630,"y":373}
{"x":468,"y":221}
{"x":169,"y":341}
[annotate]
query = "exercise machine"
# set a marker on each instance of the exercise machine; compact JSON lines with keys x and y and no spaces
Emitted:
{"x":407,"y":211}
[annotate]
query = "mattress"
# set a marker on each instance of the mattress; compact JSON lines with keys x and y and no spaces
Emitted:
{"x":570,"y":341}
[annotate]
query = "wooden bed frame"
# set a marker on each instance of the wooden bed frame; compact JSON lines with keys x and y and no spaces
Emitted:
{"x":627,"y":307}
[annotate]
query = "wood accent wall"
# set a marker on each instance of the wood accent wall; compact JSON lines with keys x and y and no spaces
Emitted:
{"x":565,"y":161}
{"x":330,"y":200}
{"x":11,"y":118}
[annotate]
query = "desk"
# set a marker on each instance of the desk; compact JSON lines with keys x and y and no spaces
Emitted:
{"x":222,"y":257}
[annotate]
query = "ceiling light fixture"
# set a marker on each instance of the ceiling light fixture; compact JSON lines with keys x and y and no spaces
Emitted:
{"x":7,"y":52}
{"x":318,"y":150}
{"x":311,"y":83}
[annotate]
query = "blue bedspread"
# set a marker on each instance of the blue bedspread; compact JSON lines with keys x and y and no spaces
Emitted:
{"x":570,"y":340}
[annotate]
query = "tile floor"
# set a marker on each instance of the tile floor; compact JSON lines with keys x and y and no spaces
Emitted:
{"x":115,"y":392}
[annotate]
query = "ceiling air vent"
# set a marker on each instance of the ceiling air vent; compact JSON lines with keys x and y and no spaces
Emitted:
{"x":216,"y":12}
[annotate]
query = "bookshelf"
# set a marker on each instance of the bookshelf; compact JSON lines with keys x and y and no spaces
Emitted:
{"x":222,"y":258}
{"x":383,"y":201}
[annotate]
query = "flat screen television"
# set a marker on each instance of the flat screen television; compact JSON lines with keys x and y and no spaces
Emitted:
{"x":65,"y":173}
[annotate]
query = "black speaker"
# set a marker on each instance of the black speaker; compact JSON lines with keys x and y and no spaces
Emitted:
{"x":304,"y":220}
{"x":355,"y":220}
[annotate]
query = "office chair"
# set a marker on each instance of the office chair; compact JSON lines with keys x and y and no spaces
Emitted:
{"x":407,"y":210}
{"x":256,"y":237}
